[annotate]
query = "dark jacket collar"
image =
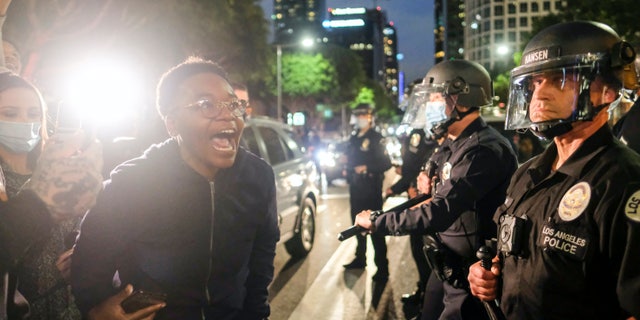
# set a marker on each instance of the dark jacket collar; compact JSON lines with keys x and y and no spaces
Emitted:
{"x":578,"y":162}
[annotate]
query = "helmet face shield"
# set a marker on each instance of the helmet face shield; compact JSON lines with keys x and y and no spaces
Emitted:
{"x":427,"y":107}
{"x":414,"y":112}
{"x":551,"y":92}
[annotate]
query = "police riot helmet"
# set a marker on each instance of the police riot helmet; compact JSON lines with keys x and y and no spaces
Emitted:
{"x":577,"y":51}
{"x":446,"y":85}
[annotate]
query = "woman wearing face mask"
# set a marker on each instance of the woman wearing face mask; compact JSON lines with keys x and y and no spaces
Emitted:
{"x":42,"y":278}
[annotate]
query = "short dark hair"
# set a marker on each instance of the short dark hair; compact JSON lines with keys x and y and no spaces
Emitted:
{"x":172,"y":79}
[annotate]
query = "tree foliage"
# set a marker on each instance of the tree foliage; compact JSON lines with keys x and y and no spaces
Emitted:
{"x":332,"y":76}
{"x":306,"y":78}
{"x":350,"y":73}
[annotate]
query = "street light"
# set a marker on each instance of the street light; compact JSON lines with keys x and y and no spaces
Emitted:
{"x":306,"y":43}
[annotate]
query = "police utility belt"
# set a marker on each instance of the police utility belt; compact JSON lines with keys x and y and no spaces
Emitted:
{"x":446,"y":265}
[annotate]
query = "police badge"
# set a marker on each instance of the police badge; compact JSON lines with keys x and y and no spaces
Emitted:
{"x":365,"y":144}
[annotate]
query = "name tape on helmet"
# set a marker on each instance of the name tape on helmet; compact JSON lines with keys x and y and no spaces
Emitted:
{"x":540,"y":55}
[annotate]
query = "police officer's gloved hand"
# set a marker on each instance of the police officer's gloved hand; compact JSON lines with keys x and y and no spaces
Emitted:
{"x":68,"y":175}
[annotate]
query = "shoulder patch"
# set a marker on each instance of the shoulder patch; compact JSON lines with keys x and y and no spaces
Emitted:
{"x":631,"y":208}
{"x":574,"y":202}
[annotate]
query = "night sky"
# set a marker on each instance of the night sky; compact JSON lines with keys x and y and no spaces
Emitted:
{"x":414,"y":24}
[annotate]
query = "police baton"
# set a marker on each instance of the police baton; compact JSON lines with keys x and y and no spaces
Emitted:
{"x":485,"y":254}
{"x":353,"y":230}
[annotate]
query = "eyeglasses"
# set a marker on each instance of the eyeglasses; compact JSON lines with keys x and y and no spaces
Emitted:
{"x":210,"y":109}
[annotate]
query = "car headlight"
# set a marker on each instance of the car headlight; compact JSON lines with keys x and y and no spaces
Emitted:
{"x":326,"y":159}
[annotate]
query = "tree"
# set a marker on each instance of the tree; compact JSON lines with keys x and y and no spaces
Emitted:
{"x":306,"y":78}
{"x":350,"y":73}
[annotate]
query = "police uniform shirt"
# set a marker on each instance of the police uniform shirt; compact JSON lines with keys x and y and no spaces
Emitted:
{"x":474,"y":172}
{"x":581,"y":257}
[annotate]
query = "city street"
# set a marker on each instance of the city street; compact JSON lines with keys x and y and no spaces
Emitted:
{"x":318,"y":287}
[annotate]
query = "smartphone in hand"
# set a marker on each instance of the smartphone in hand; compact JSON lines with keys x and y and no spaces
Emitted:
{"x":68,"y":118}
{"x":141,"y":299}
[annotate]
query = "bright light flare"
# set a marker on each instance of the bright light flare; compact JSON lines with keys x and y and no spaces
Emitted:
{"x":307,"y":42}
{"x":503,"y":50}
{"x":105,"y":91}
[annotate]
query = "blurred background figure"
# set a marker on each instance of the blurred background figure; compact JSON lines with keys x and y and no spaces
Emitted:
{"x":367,"y":162}
{"x":242,"y":93}
{"x":10,"y":59}
{"x":627,"y":128}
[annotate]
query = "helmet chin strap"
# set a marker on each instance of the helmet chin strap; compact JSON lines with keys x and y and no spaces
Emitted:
{"x":551,"y":129}
{"x":440,"y":129}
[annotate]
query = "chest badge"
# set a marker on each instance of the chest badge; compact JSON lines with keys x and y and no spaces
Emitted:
{"x":574,"y":202}
{"x":631,"y":209}
{"x":415,"y":140}
{"x":446,"y":171}
{"x":365,"y":144}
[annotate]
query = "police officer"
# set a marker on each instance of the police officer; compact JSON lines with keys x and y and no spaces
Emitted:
{"x":367,"y":162}
{"x":570,"y":226}
{"x":475,"y":164}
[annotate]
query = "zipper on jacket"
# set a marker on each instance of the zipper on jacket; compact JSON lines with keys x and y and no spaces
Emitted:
{"x":206,"y":285}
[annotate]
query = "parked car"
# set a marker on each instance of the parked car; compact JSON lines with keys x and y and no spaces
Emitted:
{"x":296,"y":177}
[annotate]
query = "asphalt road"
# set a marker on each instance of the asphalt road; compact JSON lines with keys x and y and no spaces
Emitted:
{"x":318,"y":287}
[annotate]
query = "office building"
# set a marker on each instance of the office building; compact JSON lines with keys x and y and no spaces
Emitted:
{"x":295,"y":19}
{"x":361,"y":30}
{"x":391,"y":72}
{"x":449,"y":29}
{"x":495,"y":29}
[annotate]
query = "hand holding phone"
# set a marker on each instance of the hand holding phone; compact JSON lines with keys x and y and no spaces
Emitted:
{"x":111,"y":308}
{"x":141,"y":299}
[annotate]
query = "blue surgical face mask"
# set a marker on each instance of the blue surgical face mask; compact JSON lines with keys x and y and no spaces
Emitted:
{"x":19,"y":137}
{"x":435,"y":113}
